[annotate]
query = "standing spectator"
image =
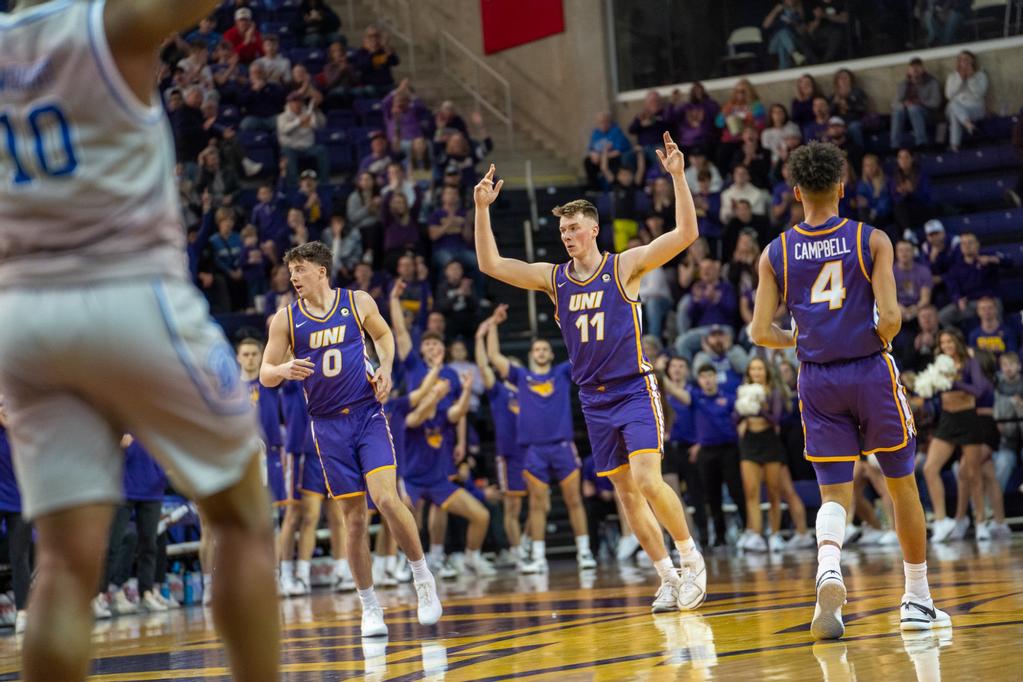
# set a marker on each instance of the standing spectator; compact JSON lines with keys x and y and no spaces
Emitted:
{"x":450,"y":232}
{"x":363,"y":212}
{"x":911,"y":193}
{"x":340,"y":78}
{"x":346,"y":245}
{"x":650,"y":124}
{"x":607,"y":138}
{"x":144,"y":485}
{"x":743,"y":110}
{"x":403,"y":116}
{"x":965,"y":89}
{"x":244,"y":37}
{"x":742,"y":189}
{"x":787,"y":23}
{"x":850,"y":102}
{"x":456,"y":301}
{"x":991,"y":335}
{"x":19,"y":532}
{"x":255,"y":265}
{"x":711,"y":301}
{"x":829,"y":29}
{"x":400,"y":229}
{"x":942,"y":19}
{"x":317,"y":24}
{"x":261,"y":102}
{"x":912,"y":282}
{"x":972,"y":277}
{"x":817,"y":128}
{"x":677,"y":463}
{"x":374,"y":61}
{"x":780,"y":127}
{"x":296,"y":133}
{"x":801,"y":108}
{"x":873,"y":198}
{"x":276,"y":66}
{"x":918,"y":98}
{"x":227,"y":252}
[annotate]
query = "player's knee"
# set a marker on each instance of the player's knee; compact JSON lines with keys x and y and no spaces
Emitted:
{"x":648,"y":484}
{"x":388,"y":503}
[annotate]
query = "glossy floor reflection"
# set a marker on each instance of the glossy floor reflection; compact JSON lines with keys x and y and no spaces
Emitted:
{"x":754,"y":625}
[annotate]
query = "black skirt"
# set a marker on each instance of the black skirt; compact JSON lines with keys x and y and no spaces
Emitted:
{"x":762,"y":447}
{"x":959,"y":428}
{"x":989,"y":433}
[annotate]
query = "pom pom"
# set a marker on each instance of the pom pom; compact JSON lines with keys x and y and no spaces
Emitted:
{"x":750,"y":400}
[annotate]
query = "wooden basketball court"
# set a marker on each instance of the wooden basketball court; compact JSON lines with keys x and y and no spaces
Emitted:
{"x":754,"y":625}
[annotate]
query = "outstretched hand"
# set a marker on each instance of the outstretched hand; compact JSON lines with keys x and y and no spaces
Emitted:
{"x":671,"y":158}
{"x":485,"y":193}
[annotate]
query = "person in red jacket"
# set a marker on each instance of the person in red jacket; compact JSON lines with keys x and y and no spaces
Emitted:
{"x":244,"y":37}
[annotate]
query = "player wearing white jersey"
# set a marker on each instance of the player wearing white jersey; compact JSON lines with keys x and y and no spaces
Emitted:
{"x":101,"y":331}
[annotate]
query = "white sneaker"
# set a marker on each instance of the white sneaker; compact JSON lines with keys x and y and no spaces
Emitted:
{"x":251,"y":167}
{"x":373,"y":623}
{"x":744,"y":539}
{"x":918,"y":614}
{"x":666,"y":598}
{"x":402,"y":570}
{"x":20,"y":622}
{"x":480,"y":567}
{"x":586,"y":561}
{"x":533,"y":567}
{"x":381,"y":578}
{"x":430,"y":609}
{"x":299,"y":588}
{"x":852,"y":533}
{"x":941,"y":529}
{"x":627,"y":546}
{"x":343,"y":583}
{"x":100,"y":607}
{"x":151,"y":603}
{"x":506,"y":559}
{"x":871,"y":536}
{"x":776,"y":543}
{"x":801,"y":541}
{"x":755,"y":543}
{"x":442,"y":569}
{"x":207,"y":594}
{"x":959,"y":530}
{"x":982,"y":532}
{"x":285,"y":584}
{"x":999,"y":531}
{"x":121,"y":605}
{"x":693,"y":590}
{"x":888,"y":538}
{"x":169,"y":602}
{"x":827,"y":614}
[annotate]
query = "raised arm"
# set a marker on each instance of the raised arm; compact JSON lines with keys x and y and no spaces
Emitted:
{"x":497,"y":361}
{"x":375,"y":325}
{"x":763,"y":331}
{"x":460,"y":407}
{"x":882,"y":280}
{"x":402,"y":339}
{"x":489,"y":379}
{"x":422,"y":391}
{"x":678,"y":391}
{"x":536,"y":276}
{"x":427,"y":406}
{"x":640,"y":260}
{"x":275,"y":369}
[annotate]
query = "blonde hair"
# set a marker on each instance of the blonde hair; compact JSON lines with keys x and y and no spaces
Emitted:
{"x":577,"y":207}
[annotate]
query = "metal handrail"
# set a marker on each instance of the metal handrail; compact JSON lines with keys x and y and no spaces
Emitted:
{"x":406,"y":36}
{"x":473,"y":88}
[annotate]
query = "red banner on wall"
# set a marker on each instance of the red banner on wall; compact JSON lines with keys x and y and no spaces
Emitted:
{"x":507,"y":23}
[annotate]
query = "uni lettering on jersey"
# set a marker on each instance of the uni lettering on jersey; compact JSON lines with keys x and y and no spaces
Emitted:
{"x":322,"y":338}
{"x":587,"y":301}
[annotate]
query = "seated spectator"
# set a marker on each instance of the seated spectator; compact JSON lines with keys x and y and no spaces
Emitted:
{"x":447,"y":122}
{"x":925,"y":343}
{"x":207,"y":31}
{"x":346,"y":245}
{"x":939,"y":254}
{"x":244,"y":37}
{"x":787,"y":24}
{"x":817,"y":128}
{"x":379,"y":157}
{"x":782,"y":199}
{"x":829,"y":30}
{"x":910,"y":187}
{"x":942,"y":19}
{"x":650,"y":124}
{"x":708,"y":207}
{"x":403,"y":113}
{"x":728,"y":360}
{"x":317,"y":24}
{"x":401,"y":231}
{"x":227,"y":250}
{"x":339,"y":79}
{"x":711,"y":300}
{"x":627,"y":204}
{"x":414,"y":294}
{"x":695,"y":130}
{"x":261,"y":102}
{"x":850,"y":103}
{"x":912,"y":281}
{"x":972,"y":277}
{"x":314,"y":207}
{"x":741,"y":272}
{"x":276,"y":66}
{"x":662,"y":199}
{"x":792,"y":139}
{"x":451,"y":232}
{"x":456,"y":301}
{"x":460,"y":155}
{"x":965,"y":90}
{"x":991,"y":334}
{"x":270,"y":224}
{"x":221,"y":182}
{"x":773,"y":137}
{"x":744,"y":220}
{"x":699,"y":162}
{"x":655,"y":295}
{"x":397,"y":182}
{"x":363,"y":212}
{"x":743,"y":110}
{"x":298,"y":231}
{"x":419,"y":163}
{"x":754,"y":158}
{"x":374,"y":61}
{"x":196,"y":66}
{"x":254,"y":264}
{"x":225,"y":14}
{"x":918,"y":98}
{"x":606,"y":138}
{"x":838,"y":135}
{"x":801,"y":108}
{"x":296,"y":134}
{"x":229,"y":74}
{"x":873,"y":197}
{"x":742,"y":189}
{"x":302,"y":84}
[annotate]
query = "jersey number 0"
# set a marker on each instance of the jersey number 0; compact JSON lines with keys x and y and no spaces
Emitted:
{"x":54,"y":150}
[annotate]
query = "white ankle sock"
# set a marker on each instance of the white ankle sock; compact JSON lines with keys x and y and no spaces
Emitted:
{"x":437,"y":552}
{"x":302,"y":571}
{"x":582,"y":544}
{"x":368,"y":597}
{"x":916,"y":580}
{"x":666,"y":569}
{"x":687,"y":552}
{"x":830,"y":536}
{"x":472,"y":556}
{"x":539,"y":550}
{"x":288,"y":569}
{"x":420,"y":571}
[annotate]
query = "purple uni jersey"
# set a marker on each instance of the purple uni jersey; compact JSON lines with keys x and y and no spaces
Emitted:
{"x":336,"y":347}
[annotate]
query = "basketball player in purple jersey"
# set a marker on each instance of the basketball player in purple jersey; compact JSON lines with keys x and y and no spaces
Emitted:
{"x":324,"y":330}
{"x":836,"y":277}
{"x":596,"y":303}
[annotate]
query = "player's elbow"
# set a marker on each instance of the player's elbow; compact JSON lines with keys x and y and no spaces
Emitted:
{"x":758,"y":333}
{"x":268,"y":377}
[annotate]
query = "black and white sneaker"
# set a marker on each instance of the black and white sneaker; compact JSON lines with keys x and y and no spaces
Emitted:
{"x":827,"y":614}
{"x":919,"y":614}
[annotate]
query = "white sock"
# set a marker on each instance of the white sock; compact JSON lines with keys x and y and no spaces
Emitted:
{"x":830,"y":536}
{"x":582,"y":544}
{"x":390,"y":563}
{"x":302,"y":570}
{"x":472,"y":556}
{"x":368,"y":597}
{"x":916,"y":580}
{"x":687,"y":552}
{"x":437,"y":552}
{"x":420,"y":571}
{"x":539,"y":550}
{"x":666,"y":569}
{"x":207,"y":580}
{"x":288,"y":569}
{"x":340,"y":567}
{"x":378,"y":563}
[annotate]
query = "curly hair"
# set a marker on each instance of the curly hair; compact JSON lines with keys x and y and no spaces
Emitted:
{"x":816,"y":167}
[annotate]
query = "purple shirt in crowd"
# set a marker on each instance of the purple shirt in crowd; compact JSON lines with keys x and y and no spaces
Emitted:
{"x":908,"y":283}
{"x":703,"y":311}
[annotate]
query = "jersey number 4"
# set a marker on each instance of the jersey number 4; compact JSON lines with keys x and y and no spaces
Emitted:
{"x":828,"y":287}
{"x":51,"y":141}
